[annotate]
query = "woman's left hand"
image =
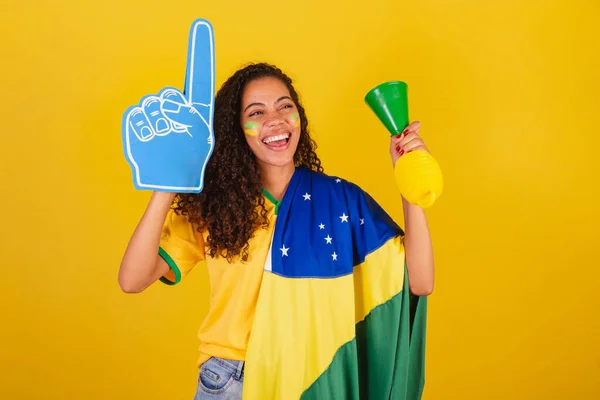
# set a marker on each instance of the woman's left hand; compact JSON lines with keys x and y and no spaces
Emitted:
{"x":409,"y":140}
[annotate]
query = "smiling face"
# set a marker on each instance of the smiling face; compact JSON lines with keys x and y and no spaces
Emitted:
{"x":270,"y":121}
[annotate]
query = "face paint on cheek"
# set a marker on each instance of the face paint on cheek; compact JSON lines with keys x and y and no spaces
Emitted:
{"x":251,"y":128}
{"x":295,"y":118}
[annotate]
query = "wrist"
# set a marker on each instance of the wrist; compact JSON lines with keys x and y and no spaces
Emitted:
{"x":165,"y":199}
{"x":408,"y":206}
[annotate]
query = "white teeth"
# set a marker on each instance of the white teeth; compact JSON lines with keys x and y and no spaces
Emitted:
{"x":276,"y":138}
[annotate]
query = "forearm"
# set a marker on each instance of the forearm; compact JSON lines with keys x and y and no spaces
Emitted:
{"x":419,"y":250}
{"x":141,"y":264}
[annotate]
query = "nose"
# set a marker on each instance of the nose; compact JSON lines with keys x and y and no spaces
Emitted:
{"x":274,"y":119}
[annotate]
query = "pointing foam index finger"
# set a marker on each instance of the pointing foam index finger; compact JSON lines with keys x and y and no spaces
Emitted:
{"x":200,"y":73}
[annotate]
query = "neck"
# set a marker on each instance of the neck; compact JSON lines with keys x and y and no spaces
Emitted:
{"x":276,"y":179}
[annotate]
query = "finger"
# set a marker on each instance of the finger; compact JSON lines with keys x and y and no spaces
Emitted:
{"x":139,"y":125}
{"x":414,"y":145}
{"x":176,"y":112}
{"x":200,"y":73}
{"x":411,"y":147}
{"x":173,"y":96}
{"x":183,"y":115}
{"x":414,"y":126}
{"x":408,"y":137}
{"x":158,"y":121}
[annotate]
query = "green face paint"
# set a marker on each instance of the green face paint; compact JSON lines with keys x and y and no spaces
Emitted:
{"x":296,"y":119}
{"x":251,"y":128}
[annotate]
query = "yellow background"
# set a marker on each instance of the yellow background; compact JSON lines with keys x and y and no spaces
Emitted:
{"x":508,"y":95}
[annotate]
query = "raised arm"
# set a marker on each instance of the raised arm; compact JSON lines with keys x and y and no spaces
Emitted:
{"x":417,"y":241}
{"x":141,"y":265}
{"x":419,"y":250}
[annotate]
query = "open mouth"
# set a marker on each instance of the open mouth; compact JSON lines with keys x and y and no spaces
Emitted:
{"x":277,"y":142}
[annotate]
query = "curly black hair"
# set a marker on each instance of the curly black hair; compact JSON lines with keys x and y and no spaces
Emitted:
{"x":231,"y":206}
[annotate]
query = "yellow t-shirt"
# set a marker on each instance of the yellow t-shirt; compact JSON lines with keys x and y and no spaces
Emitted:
{"x":234,"y":287}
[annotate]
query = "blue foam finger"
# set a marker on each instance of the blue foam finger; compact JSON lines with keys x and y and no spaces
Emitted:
{"x":173,"y":95}
{"x":171,"y":106}
{"x":168,"y":138}
{"x":200,"y":84}
{"x":139,"y":124}
{"x":157,"y":119}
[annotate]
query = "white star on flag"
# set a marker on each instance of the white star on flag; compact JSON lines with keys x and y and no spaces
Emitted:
{"x":321,"y":226}
{"x":334,"y":256}
{"x":328,"y":239}
{"x":284,"y":251}
{"x":306,"y":196}
{"x":344,"y":217}
{"x":338,"y":180}
{"x":362,"y":221}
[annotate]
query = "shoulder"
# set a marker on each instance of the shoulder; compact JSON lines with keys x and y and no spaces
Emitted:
{"x":332,"y":205}
{"x":333,"y":189}
{"x":178,"y":223}
{"x":334,"y":184}
{"x":335,"y":192}
{"x":177,"y":217}
{"x":324,"y":179}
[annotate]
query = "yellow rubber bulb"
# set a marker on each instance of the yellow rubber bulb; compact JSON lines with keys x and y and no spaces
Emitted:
{"x":419,"y":178}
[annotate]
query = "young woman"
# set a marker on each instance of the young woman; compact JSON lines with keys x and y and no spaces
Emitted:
{"x":314,"y":290}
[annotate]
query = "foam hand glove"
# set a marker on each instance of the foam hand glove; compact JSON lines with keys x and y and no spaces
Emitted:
{"x":168,"y":137}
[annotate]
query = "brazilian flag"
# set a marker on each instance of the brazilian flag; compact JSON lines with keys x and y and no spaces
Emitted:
{"x":335,"y":318}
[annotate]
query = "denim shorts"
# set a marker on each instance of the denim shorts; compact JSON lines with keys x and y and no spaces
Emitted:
{"x":220,"y":379}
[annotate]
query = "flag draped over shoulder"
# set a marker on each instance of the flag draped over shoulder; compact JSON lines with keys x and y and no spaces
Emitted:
{"x":335,"y":318}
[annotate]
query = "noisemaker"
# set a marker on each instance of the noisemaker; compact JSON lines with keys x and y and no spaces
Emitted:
{"x":417,"y":173}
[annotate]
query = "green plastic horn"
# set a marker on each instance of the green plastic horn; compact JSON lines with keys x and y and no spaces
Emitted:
{"x":418,"y":175}
{"x":389,"y":101}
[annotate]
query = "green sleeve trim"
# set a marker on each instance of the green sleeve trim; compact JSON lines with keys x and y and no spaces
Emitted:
{"x":172,"y":265}
{"x":270,"y":197}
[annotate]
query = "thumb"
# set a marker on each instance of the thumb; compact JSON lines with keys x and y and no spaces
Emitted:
{"x":176,"y":108}
{"x":181,"y":113}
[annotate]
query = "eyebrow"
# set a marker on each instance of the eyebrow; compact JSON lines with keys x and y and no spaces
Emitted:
{"x":262,"y":104}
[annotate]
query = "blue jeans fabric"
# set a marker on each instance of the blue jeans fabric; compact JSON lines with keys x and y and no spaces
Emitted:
{"x":220,"y":379}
